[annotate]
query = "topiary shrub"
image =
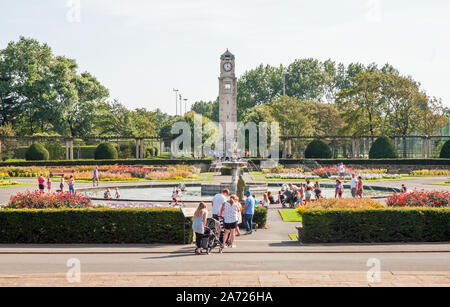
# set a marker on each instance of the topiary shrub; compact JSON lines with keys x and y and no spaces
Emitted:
{"x":105,"y":151}
{"x":37,"y":152}
{"x":383,"y":148}
{"x":445,"y":152}
{"x":318,"y":150}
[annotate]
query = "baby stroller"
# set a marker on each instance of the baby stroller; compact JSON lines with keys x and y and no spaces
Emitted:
{"x":288,"y":199}
{"x":212,"y":236}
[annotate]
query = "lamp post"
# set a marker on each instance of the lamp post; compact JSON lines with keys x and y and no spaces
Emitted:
{"x":284,"y":82}
{"x":176,"y":100}
{"x":181,"y":106}
{"x":185,"y":105}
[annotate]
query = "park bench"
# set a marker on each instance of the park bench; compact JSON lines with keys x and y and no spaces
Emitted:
{"x":405,"y":171}
{"x":60,"y":173}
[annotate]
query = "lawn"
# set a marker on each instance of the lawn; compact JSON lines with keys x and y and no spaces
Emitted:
{"x":290,"y":215}
{"x":446,"y":184}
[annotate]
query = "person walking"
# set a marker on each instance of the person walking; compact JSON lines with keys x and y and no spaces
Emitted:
{"x":339,"y":189}
{"x":230,"y":212}
{"x":198,"y":226}
{"x":249,"y":211}
{"x":359,"y":188}
{"x":317,"y":191}
{"x":41,"y":182}
{"x":217,"y":202}
{"x":61,"y":184}
{"x":341,"y":168}
{"x":49,"y":185}
{"x":71,"y":184}
{"x":353,"y":184}
{"x":96,"y":177}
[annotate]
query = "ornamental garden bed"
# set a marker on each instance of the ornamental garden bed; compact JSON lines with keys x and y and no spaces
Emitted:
{"x":418,"y":216}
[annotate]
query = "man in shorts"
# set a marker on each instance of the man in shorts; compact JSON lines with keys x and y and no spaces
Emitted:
{"x":96,"y":177}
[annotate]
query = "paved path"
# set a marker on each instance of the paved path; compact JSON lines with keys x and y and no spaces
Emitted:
{"x":234,"y":279}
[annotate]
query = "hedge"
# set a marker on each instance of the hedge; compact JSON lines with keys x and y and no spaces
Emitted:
{"x":383,"y":148}
{"x":88,"y":226}
{"x":129,"y":162}
{"x":327,"y":162}
{"x":376,"y":226}
{"x":318,"y":149}
{"x":37,"y":152}
{"x":260,"y":217}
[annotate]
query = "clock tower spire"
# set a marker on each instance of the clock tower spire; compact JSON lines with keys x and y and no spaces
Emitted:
{"x":228,"y":102}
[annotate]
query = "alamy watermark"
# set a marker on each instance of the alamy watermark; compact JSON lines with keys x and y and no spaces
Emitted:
{"x":232,"y":140}
{"x":74,"y":11}
{"x":374,"y":11}
{"x":374,"y":273}
{"x":74,"y":273}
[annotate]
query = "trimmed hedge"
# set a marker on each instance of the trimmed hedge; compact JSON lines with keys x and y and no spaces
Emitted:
{"x":383,"y":148}
{"x":106,"y":151}
{"x":37,"y":152}
{"x":376,"y":226}
{"x":88,"y":226}
{"x":129,"y":162}
{"x":445,"y":151}
{"x":317,"y":149}
{"x":362,"y":162}
{"x":260,"y":217}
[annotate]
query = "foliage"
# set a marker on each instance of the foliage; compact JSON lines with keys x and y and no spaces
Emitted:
{"x":445,"y":151}
{"x":383,"y":148}
{"x":431,"y":173}
{"x":260,"y":217}
{"x":416,"y":198}
{"x":93,"y":226}
{"x":106,"y":151}
{"x":37,"y":152}
{"x":37,"y":200}
{"x":291,"y":215}
{"x":328,"y":171}
{"x":345,"y":203}
{"x":8,"y":145}
{"x":318,"y":150}
{"x":375,"y":225}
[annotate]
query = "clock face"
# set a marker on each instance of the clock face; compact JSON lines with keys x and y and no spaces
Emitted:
{"x":228,"y":66}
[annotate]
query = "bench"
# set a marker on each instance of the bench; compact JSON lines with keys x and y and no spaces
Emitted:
{"x":60,"y":173}
{"x":405,"y":171}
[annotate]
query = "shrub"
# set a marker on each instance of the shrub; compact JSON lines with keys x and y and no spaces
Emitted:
{"x":226,"y":171}
{"x":376,"y":225}
{"x":445,"y":151}
{"x":383,"y":148}
{"x":318,"y":150}
{"x":416,"y":198}
{"x":345,"y":203}
{"x":105,"y":151}
{"x":260,"y":217}
{"x":37,"y":152}
{"x":37,"y":200}
{"x":431,"y":173}
{"x":93,"y":226}
{"x":56,"y":151}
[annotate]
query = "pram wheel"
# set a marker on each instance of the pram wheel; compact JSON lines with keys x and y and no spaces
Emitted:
{"x":221,"y":250}
{"x":208,"y":251}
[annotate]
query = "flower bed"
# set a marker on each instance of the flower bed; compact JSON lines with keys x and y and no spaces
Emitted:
{"x":422,"y":198}
{"x":326,"y":172}
{"x":36,"y":200}
{"x":431,"y":173}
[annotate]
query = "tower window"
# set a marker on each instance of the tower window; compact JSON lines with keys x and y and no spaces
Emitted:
{"x":227,"y":86}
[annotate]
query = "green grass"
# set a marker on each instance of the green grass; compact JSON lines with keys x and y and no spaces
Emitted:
{"x":439,"y":183}
{"x":293,"y":237}
{"x":290,"y":215}
{"x":15,"y":185}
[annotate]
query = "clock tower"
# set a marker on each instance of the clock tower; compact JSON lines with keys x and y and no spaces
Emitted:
{"x":228,"y":102}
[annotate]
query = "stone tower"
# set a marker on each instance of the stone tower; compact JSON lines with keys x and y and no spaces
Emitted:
{"x":228,"y":102}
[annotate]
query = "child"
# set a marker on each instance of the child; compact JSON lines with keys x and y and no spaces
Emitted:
{"x":71,"y":183}
{"x":49,"y":185}
{"x":61,"y":184}
{"x":107,"y":194}
{"x":175,"y":196}
{"x":117,"y":193}
{"x":308,"y":194}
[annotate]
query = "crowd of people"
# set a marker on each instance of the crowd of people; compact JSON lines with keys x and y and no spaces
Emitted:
{"x":46,"y":184}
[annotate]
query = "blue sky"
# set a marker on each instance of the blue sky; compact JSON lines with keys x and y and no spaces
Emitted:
{"x":142,"y":49}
